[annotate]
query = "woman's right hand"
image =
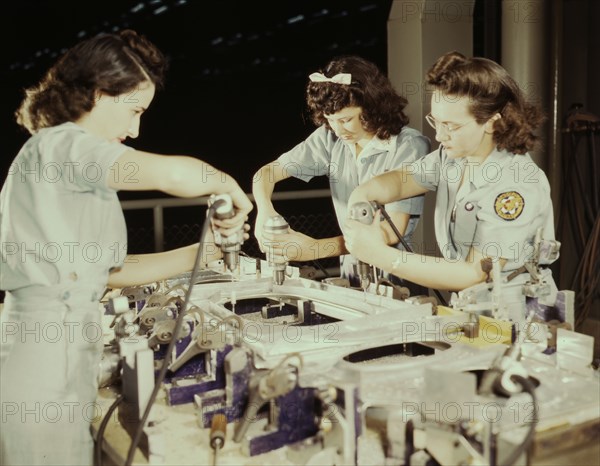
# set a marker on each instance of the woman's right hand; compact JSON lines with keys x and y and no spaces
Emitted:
{"x":242,"y":206}
{"x":242,"y":203}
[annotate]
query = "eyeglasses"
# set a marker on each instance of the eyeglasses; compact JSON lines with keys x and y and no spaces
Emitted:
{"x":447,"y":127}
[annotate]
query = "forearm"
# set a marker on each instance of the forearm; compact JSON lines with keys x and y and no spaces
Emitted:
{"x":384,"y":188}
{"x":388,"y":187}
{"x":330,"y":247}
{"x":432,"y":272}
{"x":263,"y":185}
{"x":178,"y":175}
{"x":192,"y":177}
{"x":301,"y":248}
{"x":140,"y":269}
{"x":400,"y":221}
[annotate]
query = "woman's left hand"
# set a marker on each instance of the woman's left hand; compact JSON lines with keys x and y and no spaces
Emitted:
{"x":291,"y":246}
{"x":360,"y":239}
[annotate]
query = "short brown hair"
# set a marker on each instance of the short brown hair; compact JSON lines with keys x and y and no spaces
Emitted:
{"x":490,"y":90}
{"x":109,"y":63}
{"x":382,"y":108}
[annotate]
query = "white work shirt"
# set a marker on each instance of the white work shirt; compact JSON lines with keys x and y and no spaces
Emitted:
{"x":324,"y":154}
{"x":497,"y":210}
{"x":60,"y":223}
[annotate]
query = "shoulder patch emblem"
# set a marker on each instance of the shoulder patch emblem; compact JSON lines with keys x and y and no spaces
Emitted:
{"x":509,"y":205}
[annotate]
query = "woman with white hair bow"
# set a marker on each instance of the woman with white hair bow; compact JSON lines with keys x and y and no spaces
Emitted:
{"x":362,"y":132}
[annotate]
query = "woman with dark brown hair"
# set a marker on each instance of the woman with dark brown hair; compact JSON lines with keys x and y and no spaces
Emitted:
{"x":491,"y":197}
{"x":362,"y":132}
{"x":64,"y":238}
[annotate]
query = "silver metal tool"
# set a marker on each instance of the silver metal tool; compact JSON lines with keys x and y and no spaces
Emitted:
{"x":364,"y":212}
{"x":232,"y":244}
{"x":277,"y":225}
{"x":203,"y":339}
{"x":264,"y":387}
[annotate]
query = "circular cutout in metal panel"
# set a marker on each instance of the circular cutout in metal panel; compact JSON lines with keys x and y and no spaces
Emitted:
{"x":392,"y":353}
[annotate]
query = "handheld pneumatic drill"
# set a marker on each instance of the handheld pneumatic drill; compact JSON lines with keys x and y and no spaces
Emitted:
{"x":364,"y":212}
{"x":276,"y":225}
{"x":230,"y":245}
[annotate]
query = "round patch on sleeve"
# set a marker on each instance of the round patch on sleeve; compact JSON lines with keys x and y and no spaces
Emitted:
{"x":509,"y":205}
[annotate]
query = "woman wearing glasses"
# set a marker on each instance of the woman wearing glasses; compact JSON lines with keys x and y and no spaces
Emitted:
{"x":491,"y":196}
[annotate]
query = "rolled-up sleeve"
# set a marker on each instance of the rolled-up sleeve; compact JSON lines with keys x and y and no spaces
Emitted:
{"x":410,"y":151}
{"x":310,"y":158}
{"x":87,"y":161}
{"x":426,"y":171}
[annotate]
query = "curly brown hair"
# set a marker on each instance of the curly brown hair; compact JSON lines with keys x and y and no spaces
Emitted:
{"x":382,"y":108}
{"x":113,"y":64}
{"x":490,"y":90}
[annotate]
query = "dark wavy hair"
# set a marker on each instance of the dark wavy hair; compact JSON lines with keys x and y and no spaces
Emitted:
{"x":382,"y":108}
{"x":113,"y":64}
{"x":490,"y":90}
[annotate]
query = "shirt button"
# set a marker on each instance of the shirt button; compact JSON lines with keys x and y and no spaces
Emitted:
{"x":73,"y":276}
{"x":66,"y":295}
{"x":469,"y":207}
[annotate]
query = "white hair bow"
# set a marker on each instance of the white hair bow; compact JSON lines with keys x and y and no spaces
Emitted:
{"x":341,"y":78}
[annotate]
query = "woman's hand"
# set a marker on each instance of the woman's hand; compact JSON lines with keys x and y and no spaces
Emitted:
{"x":231,"y":226}
{"x":361,"y":239}
{"x":356,"y":196}
{"x":242,"y":203}
{"x":292,"y":246}
{"x":241,"y":207}
{"x":259,"y":226}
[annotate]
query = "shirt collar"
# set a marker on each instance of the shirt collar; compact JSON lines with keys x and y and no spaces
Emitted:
{"x":490,"y":169}
{"x":383,"y":144}
{"x":377,"y":145}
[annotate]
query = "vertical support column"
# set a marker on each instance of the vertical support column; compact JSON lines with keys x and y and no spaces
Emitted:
{"x":556,"y":109}
{"x":526,"y":57}
{"x":159,"y":227}
{"x":419,"y":32}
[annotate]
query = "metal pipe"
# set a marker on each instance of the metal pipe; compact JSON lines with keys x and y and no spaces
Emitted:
{"x":159,"y":227}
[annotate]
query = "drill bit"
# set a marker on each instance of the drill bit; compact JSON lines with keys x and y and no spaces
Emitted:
{"x":233,"y":301}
